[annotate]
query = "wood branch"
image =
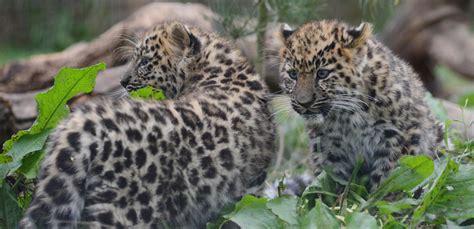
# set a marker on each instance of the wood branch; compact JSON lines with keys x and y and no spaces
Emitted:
{"x":38,"y":72}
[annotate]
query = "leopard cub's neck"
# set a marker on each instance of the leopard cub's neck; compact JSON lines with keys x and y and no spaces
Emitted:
{"x":221,"y":68}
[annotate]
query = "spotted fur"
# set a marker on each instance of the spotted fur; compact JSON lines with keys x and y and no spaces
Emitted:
{"x":357,"y":98}
{"x":151,"y":164}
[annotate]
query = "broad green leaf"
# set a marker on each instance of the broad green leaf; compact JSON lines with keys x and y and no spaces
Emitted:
{"x":358,"y":220}
{"x":323,"y":185}
{"x":388,"y":208}
{"x":31,"y":164}
{"x":252,"y":212}
{"x":10,"y":213}
{"x":68,"y":83}
{"x":392,"y":223}
{"x":449,"y":166}
{"x":52,"y":108}
{"x":320,"y":217}
{"x":246,"y":200}
{"x":217,"y":223}
{"x":5,"y":158}
{"x":456,"y":198}
{"x":8,"y":144}
{"x":27,"y":144}
{"x":148,"y":93}
{"x":285,"y":208}
{"x":411,"y":172}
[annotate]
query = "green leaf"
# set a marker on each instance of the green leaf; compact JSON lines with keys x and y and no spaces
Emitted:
{"x":455,"y":200}
{"x":26,"y":144}
{"x":5,"y":158}
{"x":320,"y":217}
{"x":387,"y":208}
{"x":449,"y":166}
{"x":323,"y":185}
{"x":10,"y":213}
{"x":252,"y":212}
{"x":285,"y":208}
{"x":411,"y":172}
{"x":358,"y":220}
{"x":31,"y":164}
{"x":68,"y":83}
{"x":148,"y":93}
{"x":52,"y":108}
{"x":392,"y":223}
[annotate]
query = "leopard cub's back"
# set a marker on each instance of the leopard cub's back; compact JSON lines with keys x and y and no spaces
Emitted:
{"x":175,"y":163}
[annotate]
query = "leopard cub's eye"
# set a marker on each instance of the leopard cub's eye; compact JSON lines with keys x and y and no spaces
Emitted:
{"x":293,"y":74}
{"x":322,"y":74}
{"x":144,"y":61}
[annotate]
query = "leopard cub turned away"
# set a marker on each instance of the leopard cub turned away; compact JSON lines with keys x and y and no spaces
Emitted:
{"x":153,"y":164}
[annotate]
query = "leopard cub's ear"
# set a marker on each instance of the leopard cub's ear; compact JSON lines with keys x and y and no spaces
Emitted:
{"x":357,"y":36}
{"x":183,"y":38}
{"x":285,"y":32}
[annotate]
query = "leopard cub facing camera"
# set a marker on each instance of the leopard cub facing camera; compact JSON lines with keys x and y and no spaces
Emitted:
{"x":153,"y":164}
{"x":357,"y":98}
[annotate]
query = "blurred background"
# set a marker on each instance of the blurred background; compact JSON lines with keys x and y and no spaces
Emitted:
{"x":39,"y":37}
{"x":32,"y":27}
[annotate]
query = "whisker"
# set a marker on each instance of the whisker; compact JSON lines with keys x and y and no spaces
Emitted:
{"x":117,"y":93}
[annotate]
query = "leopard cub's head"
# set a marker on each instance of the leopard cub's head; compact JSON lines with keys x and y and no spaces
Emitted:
{"x":160,"y":59}
{"x":320,"y":67}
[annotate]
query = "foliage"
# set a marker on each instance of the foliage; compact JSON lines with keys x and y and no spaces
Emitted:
{"x":446,"y":187}
{"x":10,"y":212}
{"x":22,"y":154}
{"x":147,"y":93}
{"x":52,"y":108}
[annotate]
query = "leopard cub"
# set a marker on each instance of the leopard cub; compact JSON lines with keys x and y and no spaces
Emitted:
{"x":357,"y":98}
{"x":154,"y":164}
